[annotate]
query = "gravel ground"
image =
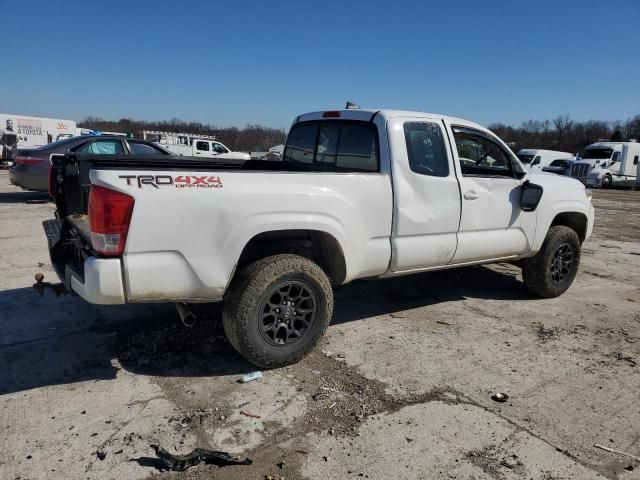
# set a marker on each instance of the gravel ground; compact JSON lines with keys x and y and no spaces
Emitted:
{"x":400,"y":388}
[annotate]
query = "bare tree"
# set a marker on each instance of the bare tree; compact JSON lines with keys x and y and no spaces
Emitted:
{"x":562,"y":123}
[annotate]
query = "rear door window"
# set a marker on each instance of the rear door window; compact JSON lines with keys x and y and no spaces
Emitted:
{"x":202,"y":146}
{"x":334,"y":145}
{"x":426,"y":149}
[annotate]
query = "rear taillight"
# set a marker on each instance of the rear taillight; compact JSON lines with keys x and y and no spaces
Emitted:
{"x":23,"y":160}
{"x":109,"y":217}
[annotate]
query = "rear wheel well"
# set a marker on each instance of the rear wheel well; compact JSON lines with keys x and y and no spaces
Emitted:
{"x":574,"y":220}
{"x":320,"y":247}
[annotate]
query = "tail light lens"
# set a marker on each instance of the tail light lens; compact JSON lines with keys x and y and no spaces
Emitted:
{"x":109,"y":218}
{"x":23,"y":160}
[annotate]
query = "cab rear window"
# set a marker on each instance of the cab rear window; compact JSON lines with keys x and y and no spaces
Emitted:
{"x":334,"y":146}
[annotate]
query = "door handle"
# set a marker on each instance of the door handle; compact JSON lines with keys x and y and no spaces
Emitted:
{"x":470,"y":195}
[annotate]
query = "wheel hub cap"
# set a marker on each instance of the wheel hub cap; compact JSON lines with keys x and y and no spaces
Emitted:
{"x":287,"y":312}
{"x":561,"y":263}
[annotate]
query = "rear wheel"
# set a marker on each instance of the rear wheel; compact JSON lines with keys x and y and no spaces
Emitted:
{"x":552,"y":270}
{"x":277,"y":309}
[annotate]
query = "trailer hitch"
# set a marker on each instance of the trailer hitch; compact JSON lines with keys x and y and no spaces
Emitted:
{"x":40,"y":286}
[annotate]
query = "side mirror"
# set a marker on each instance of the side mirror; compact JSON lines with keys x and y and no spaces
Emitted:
{"x":530,"y":196}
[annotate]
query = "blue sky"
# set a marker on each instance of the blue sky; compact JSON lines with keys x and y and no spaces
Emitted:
{"x":239,"y":62}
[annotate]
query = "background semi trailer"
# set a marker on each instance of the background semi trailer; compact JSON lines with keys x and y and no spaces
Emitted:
{"x":608,"y":164}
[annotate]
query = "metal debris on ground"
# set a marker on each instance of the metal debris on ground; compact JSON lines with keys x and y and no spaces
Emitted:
{"x":499,"y":397}
{"x":626,"y":358}
{"x":101,"y":454}
{"x":247,"y":413}
{"x":250,"y":377}
{"x":179,"y":463}
{"x":619,"y":452}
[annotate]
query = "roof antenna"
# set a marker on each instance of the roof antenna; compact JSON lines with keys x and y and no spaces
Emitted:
{"x":352,"y":106}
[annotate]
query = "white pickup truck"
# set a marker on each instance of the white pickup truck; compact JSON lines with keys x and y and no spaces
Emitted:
{"x":205,"y":148}
{"x":357,"y":194}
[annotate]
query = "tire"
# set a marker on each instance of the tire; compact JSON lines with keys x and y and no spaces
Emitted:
{"x":548,"y":273}
{"x":261,"y":327}
{"x":607,"y":182}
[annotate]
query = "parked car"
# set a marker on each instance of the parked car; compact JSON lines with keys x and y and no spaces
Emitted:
{"x":535,"y":160}
{"x":30,"y":169}
{"x":559,"y":166}
{"x":272,"y":243}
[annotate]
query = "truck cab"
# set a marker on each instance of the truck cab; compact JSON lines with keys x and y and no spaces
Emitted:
{"x":607,"y":164}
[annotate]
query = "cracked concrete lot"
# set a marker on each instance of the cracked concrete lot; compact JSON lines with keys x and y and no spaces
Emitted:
{"x":400,"y":387}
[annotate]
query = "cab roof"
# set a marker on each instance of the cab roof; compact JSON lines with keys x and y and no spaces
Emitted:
{"x":366,"y":114}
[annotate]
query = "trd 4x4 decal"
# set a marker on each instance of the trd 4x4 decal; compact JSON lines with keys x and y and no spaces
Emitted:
{"x":180,"y":181}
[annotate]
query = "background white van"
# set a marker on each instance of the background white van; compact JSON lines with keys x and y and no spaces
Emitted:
{"x":535,"y":160}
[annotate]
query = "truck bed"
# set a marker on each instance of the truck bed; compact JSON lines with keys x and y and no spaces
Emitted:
{"x":193,"y":218}
{"x":70,"y":173}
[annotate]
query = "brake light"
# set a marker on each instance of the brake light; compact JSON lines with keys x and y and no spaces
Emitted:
{"x":331,"y":114}
{"x":23,"y":160}
{"x":109,"y":218}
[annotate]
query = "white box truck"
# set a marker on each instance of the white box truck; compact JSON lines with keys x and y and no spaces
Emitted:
{"x":605,"y":164}
{"x":20,"y":131}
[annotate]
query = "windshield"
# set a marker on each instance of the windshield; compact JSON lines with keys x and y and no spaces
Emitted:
{"x":597,"y":153}
{"x":526,"y":159}
{"x":558,"y":163}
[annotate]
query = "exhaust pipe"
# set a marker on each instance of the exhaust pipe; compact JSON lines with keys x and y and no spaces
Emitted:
{"x":187,"y":316}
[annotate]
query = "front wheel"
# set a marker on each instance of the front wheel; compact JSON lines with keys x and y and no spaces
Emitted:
{"x":607,"y":181}
{"x":277,"y":309}
{"x":551,"y":271}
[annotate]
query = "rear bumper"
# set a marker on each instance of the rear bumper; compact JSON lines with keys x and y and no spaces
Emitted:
{"x":96,"y":280}
{"x":102,"y":282}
